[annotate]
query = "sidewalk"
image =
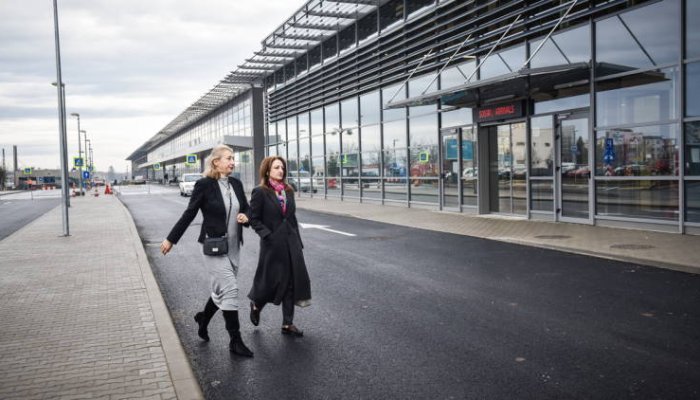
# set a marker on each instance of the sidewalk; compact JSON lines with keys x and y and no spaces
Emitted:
{"x":664,"y":250}
{"x":82,"y":316}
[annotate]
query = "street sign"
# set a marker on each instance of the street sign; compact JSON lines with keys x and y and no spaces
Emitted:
{"x":78,"y":162}
{"x":86,"y":174}
{"x":424,"y":157}
{"x":156,"y":167}
{"x":191,"y":159}
{"x":28,"y":171}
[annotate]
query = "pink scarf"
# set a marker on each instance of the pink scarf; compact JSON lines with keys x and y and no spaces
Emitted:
{"x":278,"y":187}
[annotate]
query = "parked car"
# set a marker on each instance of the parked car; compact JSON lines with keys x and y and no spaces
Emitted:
{"x":300,"y":181}
{"x":186,"y":183}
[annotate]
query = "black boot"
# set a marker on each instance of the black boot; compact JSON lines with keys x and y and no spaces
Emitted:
{"x":203,"y":318}
{"x":236,"y":346}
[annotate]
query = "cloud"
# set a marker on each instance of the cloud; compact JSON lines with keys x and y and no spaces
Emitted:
{"x":130,"y":67}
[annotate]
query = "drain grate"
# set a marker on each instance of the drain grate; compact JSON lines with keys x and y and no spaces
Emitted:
{"x":631,"y":246}
{"x":552,"y":237}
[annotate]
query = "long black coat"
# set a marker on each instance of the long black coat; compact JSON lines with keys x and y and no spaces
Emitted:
{"x":206,"y":196}
{"x":281,"y":257}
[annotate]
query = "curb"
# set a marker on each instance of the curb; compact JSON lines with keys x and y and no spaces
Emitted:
{"x":184,"y":380}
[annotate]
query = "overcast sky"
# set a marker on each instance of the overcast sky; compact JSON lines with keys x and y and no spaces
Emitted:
{"x":129,"y":66}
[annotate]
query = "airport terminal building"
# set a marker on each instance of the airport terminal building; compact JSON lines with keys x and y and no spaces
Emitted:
{"x":579,"y":111}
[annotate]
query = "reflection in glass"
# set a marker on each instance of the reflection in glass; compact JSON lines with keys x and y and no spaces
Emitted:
{"x":458,"y":117}
{"x":641,"y":151}
{"x":292,"y":128}
{"x":638,"y":199}
{"x":351,"y":140}
{"x":629,"y":41}
{"x":692,"y":83}
{"x":394,"y":134}
{"x":303,"y":125}
{"x":333,"y":187}
{"x":332,"y":118}
{"x":692,"y":148}
{"x":692,"y":201}
{"x":566,"y":47}
{"x":423,"y":130}
{"x":645,"y":97}
{"x":395,"y":190}
{"x":397,"y":92}
{"x":304,"y":155}
{"x":503,"y":62}
{"x":575,"y":170}
{"x":541,"y":148}
{"x":418,"y":86}
{"x":425,"y":190}
{"x":316,"y":121}
{"x":369,"y":108}
{"x":349,"y":112}
{"x":370,"y":138}
{"x":563,"y":103}
{"x":317,"y":181}
{"x":457,"y":75}
{"x":470,"y":170}
{"x":692,"y":35}
{"x":395,"y":170}
{"x":542,"y":195}
{"x":450,"y":168}
{"x":317,"y":145}
{"x":424,"y":162}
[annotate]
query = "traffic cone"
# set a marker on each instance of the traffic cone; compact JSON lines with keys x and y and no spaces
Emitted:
{"x":108,"y":190}
{"x":96,"y":192}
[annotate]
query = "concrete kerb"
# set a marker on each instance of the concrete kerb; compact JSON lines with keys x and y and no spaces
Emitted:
{"x":184,"y":381}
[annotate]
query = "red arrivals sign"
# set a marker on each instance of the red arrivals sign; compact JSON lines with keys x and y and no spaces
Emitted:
{"x":499,"y":112}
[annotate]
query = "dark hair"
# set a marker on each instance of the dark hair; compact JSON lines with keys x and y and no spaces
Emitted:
{"x":266,"y":166}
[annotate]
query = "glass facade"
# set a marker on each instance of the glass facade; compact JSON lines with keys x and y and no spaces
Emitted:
{"x":618,"y":141}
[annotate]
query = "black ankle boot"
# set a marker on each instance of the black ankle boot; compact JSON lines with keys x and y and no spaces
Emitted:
{"x":203,"y":318}
{"x":236,"y":346}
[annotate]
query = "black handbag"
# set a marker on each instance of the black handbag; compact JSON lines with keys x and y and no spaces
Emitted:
{"x":218,"y":246}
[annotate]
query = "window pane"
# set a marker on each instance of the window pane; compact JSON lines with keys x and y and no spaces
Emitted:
{"x":395,"y":134}
{"x":303,"y":125}
{"x":629,"y":41}
{"x":369,"y":108}
{"x":564,"y":103}
{"x":692,"y":83}
{"x":304,"y":155}
{"x":370,"y":138}
{"x":641,"y":151}
{"x":567,"y":47}
{"x":333,"y":165}
{"x":351,"y":140}
{"x":292,"y":154}
{"x":397,"y":94}
{"x":542,"y":195}
{"x":692,"y":201}
{"x":395,"y":166}
{"x":424,"y":162}
{"x":457,"y":75}
{"x":330,"y":48}
{"x":638,"y":98}
{"x":504,"y":62}
{"x":367,"y":26}
{"x":692,"y":16}
{"x":692,"y":148}
{"x":458,"y":117}
{"x":390,"y":13}
{"x":316,"y":121}
{"x":541,"y":146}
{"x":425,"y":190}
{"x":332,"y":118}
{"x":349,"y":112}
{"x":418,"y":86}
{"x":423,"y":130}
{"x":638,"y":199}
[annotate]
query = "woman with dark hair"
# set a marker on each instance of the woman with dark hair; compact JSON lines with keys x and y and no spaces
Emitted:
{"x":224,"y":207}
{"x":281,"y":275}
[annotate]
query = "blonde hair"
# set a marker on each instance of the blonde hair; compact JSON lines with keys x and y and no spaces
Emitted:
{"x":216,"y":153}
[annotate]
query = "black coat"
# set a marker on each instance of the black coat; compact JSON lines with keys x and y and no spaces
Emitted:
{"x":206,"y":196}
{"x":281,"y":258}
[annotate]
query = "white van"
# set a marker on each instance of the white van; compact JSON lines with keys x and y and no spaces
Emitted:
{"x":187,"y":183}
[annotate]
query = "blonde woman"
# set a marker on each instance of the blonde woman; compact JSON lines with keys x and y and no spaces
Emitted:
{"x":221,"y":198}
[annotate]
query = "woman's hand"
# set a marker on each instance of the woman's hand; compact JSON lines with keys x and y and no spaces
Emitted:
{"x":165,"y":246}
{"x":242,"y":218}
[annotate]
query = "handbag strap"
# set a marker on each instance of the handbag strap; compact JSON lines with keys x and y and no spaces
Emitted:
{"x":229,"y":191}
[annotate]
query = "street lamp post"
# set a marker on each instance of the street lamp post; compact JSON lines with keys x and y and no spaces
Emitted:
{"x":80,"y":154}
{"x":62,"y":124}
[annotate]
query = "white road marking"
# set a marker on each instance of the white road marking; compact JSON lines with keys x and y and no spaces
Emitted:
{"x":325,"y":228}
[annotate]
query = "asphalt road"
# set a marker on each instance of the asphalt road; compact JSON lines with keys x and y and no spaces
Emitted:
{"x":16,"y":212}
{"x":403,"y":313}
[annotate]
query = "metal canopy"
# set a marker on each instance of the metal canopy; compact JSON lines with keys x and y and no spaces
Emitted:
{"x":305,"y":29}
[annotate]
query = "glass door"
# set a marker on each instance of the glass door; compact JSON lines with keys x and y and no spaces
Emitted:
{"x":574,"y":177}
{"x":508,"y":168}
{"x":451,"y":167}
